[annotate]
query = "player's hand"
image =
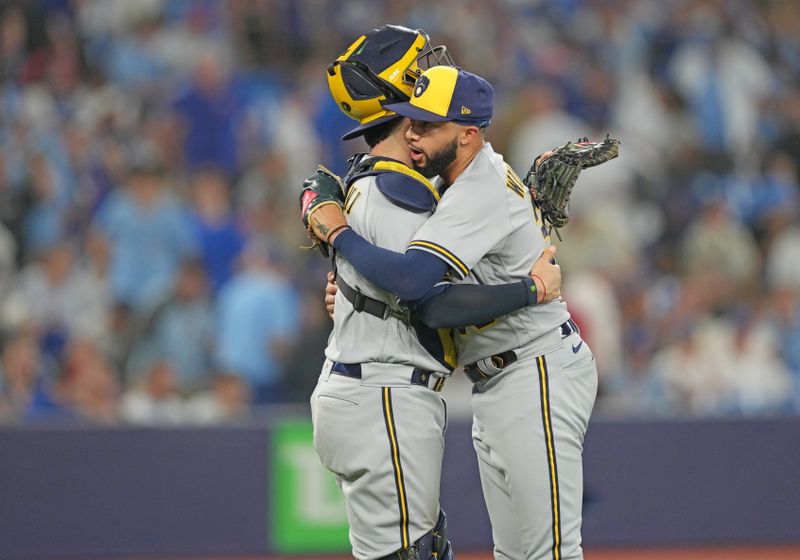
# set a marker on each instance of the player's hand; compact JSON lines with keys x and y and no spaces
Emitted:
{"x":323,"y":188}
{"x":330,"y":294}
{"x":320,"y":190}
{"x":547,"y":276}
{"x":326,"y":222}
{"x":538,"y":161}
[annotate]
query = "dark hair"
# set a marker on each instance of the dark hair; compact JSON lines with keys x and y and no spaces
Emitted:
{"x":381,"y":132}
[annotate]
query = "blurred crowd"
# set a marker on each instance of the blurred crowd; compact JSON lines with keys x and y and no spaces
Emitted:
{"x":151,"y":261}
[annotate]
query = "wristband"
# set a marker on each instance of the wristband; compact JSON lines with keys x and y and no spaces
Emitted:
{"x":334,"y":230}
{"x":531,"y":292}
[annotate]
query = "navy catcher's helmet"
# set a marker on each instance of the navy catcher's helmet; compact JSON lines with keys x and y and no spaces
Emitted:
{"x":380,"y":68}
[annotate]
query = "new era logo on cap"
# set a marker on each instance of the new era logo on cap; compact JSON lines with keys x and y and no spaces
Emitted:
{"x":445,"y":93}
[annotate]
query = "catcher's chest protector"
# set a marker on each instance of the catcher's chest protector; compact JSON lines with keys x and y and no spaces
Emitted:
{"x":399,"y":183}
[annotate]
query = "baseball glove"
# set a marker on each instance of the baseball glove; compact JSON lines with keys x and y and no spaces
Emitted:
{"x":321,"y":188}
{"x":551,"y":181}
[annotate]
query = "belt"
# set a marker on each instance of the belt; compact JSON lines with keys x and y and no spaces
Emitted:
{"x":491,"y":366}
{"x":568,"y":328}
{"x":419,"y":377}
{"x":363,"y":303}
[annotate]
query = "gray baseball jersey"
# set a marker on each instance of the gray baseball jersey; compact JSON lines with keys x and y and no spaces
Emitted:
{"x":486,"y":229}
{"x":380,"y":435}
{"x":360,"y":337}
{"x":531,"y":417}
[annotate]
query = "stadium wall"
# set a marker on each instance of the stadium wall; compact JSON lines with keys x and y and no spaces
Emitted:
{"x":67,"y":493}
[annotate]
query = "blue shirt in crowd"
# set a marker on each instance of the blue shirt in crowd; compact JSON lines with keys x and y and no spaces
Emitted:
{"x":255,"y":310}
{"x":147,"y":246}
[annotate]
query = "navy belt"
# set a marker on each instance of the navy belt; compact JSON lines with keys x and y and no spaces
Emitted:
{"x":504,"y":359}
{"x":418,"y":376}
{"x":568,"y":328}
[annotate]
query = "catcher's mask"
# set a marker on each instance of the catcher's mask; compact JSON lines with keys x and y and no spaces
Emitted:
{"x":379,"y":68}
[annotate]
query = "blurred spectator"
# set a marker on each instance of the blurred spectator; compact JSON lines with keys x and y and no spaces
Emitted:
{"x":761,"y":383}
{"x":303,"y":367}
{"x":227,"y":401}
{"x":788,"y":141}
{"x":266,"y":181}
{"x":689,"y":368}
{"x":210,"y":111}
{"x":63,"y":298}
{"x":46,"y":215}
{"x":148,"y":235}
{"x":132,"y":59}
{"x":13,"y":39}
{"x":94,"y":389}
{"x":85,"y":389}
{"x":721,"y":254}
{"x":154,"y":398}
{"x":783,"y":261}
{"x":542,"y":125}
{"x":217,"y":229}
{"x":190,"y":29}
{"x":7,"y":273}
{"x":786,"y":308}
{"x":765,"y":202}
{"x":22,"y":369}
{"x":258,"y":317}
{"x":725,"y":81}
{"x":181,"y":330}
{"x":725,"y":366}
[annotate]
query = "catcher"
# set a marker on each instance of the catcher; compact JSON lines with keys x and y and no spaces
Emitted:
{"x":534,"y":378}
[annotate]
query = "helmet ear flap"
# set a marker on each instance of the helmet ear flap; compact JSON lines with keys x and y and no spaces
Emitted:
{"x":358,"y":83}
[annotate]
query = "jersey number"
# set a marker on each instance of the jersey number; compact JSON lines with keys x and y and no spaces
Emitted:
{"x":352,"y":196}
{"x":514,"y":183}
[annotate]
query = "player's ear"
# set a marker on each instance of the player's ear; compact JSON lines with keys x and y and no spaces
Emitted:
{"x":468,"y":135}
{"x":404,"y":125}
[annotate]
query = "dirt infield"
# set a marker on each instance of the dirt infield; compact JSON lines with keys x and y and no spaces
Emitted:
{"x":720,"y":553}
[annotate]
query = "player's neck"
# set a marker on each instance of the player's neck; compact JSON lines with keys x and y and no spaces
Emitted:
{"x":395,"y":146}
{"x":462,"y":161}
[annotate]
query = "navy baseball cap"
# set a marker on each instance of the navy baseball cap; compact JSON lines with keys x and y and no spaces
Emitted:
{"x":445,"y":93}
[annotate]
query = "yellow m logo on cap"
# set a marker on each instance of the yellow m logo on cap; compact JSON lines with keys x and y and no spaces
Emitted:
{"x":436,"y":95}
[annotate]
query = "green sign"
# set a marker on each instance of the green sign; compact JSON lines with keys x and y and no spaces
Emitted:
{"x":308,"y":513}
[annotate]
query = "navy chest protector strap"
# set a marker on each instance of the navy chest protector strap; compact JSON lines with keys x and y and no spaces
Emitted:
{"x":403,"y":186}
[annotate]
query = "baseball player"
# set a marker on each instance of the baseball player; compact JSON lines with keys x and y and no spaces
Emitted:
{"x":535,"y":380}
{"x":378,"y":418}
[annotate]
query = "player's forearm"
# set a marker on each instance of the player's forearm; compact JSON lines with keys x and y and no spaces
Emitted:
{"x":407,"y":275}
{"x":474,"y":304}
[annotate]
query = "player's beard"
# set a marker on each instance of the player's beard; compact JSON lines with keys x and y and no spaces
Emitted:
{"x":436,"y":163}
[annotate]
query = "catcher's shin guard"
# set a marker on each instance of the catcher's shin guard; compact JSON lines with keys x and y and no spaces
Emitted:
{"x":441,"y":546}
{"x":433,"y":545}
